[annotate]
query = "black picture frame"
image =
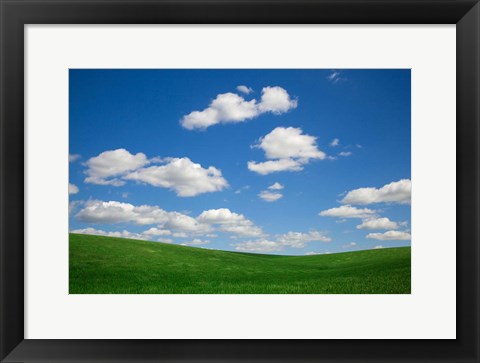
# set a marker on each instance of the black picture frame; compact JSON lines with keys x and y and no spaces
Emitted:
{"x":15,"y":14}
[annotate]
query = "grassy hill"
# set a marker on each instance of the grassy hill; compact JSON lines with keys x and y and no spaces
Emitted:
{"x":107,"y":265}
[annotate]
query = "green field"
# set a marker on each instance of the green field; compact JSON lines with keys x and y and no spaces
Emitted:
{"x":107,"y":265}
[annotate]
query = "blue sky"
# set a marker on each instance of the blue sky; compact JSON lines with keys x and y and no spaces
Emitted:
{"x":270,"y":161}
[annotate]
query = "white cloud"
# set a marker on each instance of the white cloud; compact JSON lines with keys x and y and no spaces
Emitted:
{"x":289,"y":150}
{"x":107,"y":212}
{"x":276,"y":100}
{"x":261,"y":245}
{"x":299,"y":239}
{"x":289,"y":142}
{"x":245,"y":230}
{"x":269,"y":196}
{"x":225,"y":108}
{"x":107,"y":166}
{"x":244,"y":89}
{"x":196,"y":242}
{"x":378,"y":247}
{"x":168,"y":223}
{"x":121,"y":234}
{"x":350,"y":245}
{"x":311,"y":253}
{"x":335,"y":142}
{"x":157,"y":232}
{"x":220,"y":216}
{"x":72,"y":188}
{"x":378,"y":223}
{"x":273,"y":166}
{"x":180,"y":234}
{"x":185,"y":177}
{"x":96,"y":211}
{"x":181,"y":222}
{"x":395,"y":192}
{"x":276,"y":186}
{"x":231,"y":222}
{"x":73,"y":157}
{"x":345,"y":153}
{"x":182,"y":175}
{"x":390,"y":236}
{"x":99,"y":232}
{"x":290,"y":239}
{"x":232,"y":108}
{"x":347,"y":211}
{"x":335,"y":77}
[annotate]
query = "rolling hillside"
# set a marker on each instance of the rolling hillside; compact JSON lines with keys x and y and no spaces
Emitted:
{"x":107,"y":265}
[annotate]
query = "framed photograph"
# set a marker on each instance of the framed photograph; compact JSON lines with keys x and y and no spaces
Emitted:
{"x":240,"y":181}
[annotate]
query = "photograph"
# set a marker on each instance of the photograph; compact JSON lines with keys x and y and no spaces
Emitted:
{"x":239,"y":181}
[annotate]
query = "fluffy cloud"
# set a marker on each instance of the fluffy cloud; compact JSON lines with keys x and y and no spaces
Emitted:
{"x":96,"y":211}
{"x":245,"y":229}
{"x":225,"y":108}
{"x":290,"y":239}
{"x":182,"y":225}
{"x":181,"y":175}
{"x":347,"y":211}
{"x":180,"y":234}
{"x":106,"y":167}
{"x":157,"y":232}
{"x":345,"y":153}
{"x":299,"y":239}
{"x":269,"y":196}
{"x":231,"y":222}
{"x":335,"y":142}
{"x":232,"y":108}
{"x":395,"y":192}
{"x":185,"y":177}
{"x":73,"y":157}
{"x":261,"y":246}
{"x":289,"y":142}
{"x":289,"y":150}
{"x":391,"y":236}
{"x":350,"y":245}
{"x":121,"y":234}
{"x":276,"y":186}
{"x":181,"y":222}
{"x":378,"y":223}
{"x":276,"y":100}
{"x":244,"y":89}
{"x":195,"y":242}
{"x":99,"y":232}
{"x":378,"y":247}
{"x":273,"y":166}
{"x":220,"y":216}
{"x":72,"y":188}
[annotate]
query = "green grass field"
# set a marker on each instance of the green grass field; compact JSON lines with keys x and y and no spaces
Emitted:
{"x":107,"y":265}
